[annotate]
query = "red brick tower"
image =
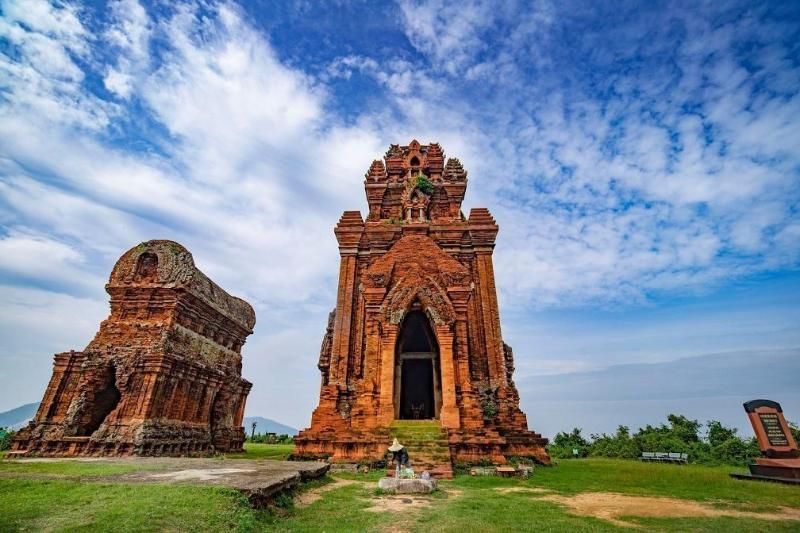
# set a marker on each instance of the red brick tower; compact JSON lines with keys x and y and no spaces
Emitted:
{"x":416,"y":329}
{"x":163,"y":375}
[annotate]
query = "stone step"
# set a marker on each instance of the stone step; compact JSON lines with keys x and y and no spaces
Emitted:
{"x":427,"y":444}
{"x":422,"y":444}
{"x":421,"y":438}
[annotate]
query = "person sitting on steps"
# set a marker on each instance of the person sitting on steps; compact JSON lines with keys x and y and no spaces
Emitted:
{"x":399,"y":457}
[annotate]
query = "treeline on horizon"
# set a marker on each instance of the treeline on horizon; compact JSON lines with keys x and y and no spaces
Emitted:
{"x":717,"y":445}
{"x":269,"y":438}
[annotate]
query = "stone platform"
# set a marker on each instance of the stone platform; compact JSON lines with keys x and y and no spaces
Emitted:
{"x":407,"y":486}
{"x":259,"y":481}
{"x":754,"y":477}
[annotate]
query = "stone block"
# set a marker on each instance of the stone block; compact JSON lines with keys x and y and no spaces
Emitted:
{"x":407,"y":486}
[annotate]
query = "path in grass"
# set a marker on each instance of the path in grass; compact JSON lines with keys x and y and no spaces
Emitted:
{"x":580,"y":495}
{"x":612,"y":507}
{"x":586,"y":495}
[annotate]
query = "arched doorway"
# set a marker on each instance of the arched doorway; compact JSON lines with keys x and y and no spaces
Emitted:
{"x":104,"y":400}
{"x":418,"y":389}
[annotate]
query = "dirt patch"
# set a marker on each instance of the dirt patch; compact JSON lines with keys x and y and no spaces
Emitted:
{"x":611,"y":507}
{"x":532,"y":490}
{"x":403,"y":503}
{"x":310,"y":496}
{"x":398,"y":504}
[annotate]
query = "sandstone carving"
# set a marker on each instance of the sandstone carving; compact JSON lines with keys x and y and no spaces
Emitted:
{"x":416,"y":329}
{"x":163,"y":375}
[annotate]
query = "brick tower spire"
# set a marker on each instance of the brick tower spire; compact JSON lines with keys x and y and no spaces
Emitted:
{"x":415,"y":334}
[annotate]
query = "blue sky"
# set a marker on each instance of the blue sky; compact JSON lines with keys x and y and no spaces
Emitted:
{"x":642,"y":160}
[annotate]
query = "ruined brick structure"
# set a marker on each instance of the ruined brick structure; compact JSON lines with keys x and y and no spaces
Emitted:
{"x":416,"y":329}
{"x":163,"y":375}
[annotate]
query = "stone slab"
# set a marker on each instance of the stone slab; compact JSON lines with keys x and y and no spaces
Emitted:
{"x":258,"y":480}
{"x":748,"y":475}
{"x":407,"y":486}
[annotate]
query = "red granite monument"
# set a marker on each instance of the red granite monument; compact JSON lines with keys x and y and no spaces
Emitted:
{"x":162,"y":376}
{"x":781,"y":461}
{"x":415,"y":335}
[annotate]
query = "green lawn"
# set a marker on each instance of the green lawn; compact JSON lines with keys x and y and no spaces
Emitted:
{"x":69,"y":503}
{"x":693,"y":482}
{"x":264,"y":451}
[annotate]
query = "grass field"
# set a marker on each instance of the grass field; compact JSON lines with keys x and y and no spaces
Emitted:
{"x":69,"y":496}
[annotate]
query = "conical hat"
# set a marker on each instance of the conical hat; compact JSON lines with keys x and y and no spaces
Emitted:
{"x":396,"y":446}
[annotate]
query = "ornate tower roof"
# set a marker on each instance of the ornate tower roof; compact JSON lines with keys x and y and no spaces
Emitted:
{"x":415,"y":185}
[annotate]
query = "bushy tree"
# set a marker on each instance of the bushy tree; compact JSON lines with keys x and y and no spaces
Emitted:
{"x":620,"y":445}
{"x":564,"y":443}
{"x":6,"y":437}
{"x":735,"y":451}
{"x":795,"y":429}
{"x":684,"y":429}
{"x":721,"y":444}
{"x":717,"y":433}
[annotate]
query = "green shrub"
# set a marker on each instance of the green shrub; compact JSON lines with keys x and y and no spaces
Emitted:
{"x":6,"y":437}
{"x":424,"y":184}
{"x":564,"y":443}
{"x":795,"y":429}
{"x":620,"y":445}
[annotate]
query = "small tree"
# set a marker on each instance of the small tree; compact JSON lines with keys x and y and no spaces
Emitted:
{"x":795,"y":429}
{"x":717,"y":433}
{"x":618,"y":445}
{"x":6,"y":438}
{"x":684,"y":429}
{"x":564,"y":444}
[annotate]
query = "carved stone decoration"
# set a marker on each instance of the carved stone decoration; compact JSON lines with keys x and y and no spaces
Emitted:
{"x":414,"y":201}
{"x":325,"y":350}
{"x":417,"y":325}
{"x":163,"y":375}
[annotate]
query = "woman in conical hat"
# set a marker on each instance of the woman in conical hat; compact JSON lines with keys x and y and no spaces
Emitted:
{"x":399,"y":456}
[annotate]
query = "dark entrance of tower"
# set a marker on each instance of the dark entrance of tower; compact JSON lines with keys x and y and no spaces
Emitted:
{"x":418,"y":391}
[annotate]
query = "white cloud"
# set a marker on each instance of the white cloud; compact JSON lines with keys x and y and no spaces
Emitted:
{"x":476,"y":38}
{"x":129,"y":33}
{"x":44,"y":77}
{"x":42,"y":259}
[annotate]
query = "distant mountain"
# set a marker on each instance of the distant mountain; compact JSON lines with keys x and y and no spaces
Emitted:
{"x":265,"y":425}
{"x":19,"y":416}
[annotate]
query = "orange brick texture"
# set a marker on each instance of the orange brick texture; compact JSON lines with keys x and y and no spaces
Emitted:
{"x":163,"y":375}
{"x":417,"y":251}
